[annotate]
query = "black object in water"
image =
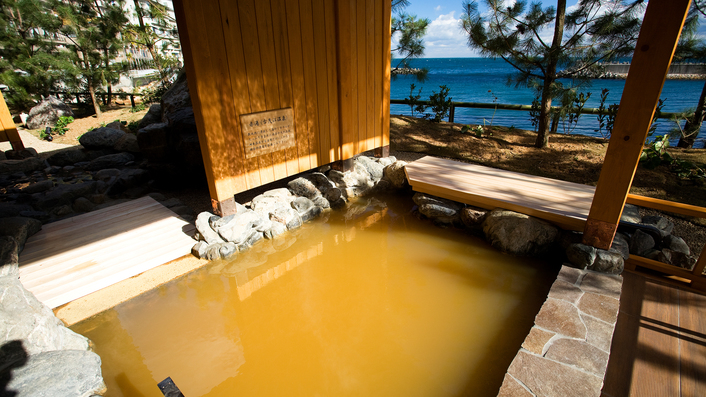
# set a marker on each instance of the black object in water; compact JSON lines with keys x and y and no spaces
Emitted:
{"x":169,"y":388}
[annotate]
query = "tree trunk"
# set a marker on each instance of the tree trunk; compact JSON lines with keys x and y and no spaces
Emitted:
{"x":693,"y":124}
{"x":148,"y":41}
{"x":96,"y":104}
{"x":544,"y":115}
{"x":550,"y":76}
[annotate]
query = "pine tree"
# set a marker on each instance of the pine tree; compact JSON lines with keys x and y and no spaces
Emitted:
{"x":693,"y":48}
{"x":31,"y":62}
{"x":155,"y":27}
{"x":410,"y":42}
{"x":92,"y":28}
{"x":595,"y":31}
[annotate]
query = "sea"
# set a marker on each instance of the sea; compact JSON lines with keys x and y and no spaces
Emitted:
{"x":485,"y":80}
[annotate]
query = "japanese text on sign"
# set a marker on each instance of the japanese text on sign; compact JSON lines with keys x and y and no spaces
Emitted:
{"x":268,"y":132}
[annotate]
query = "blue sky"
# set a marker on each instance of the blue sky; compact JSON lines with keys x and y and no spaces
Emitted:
{"x":444,"y":38}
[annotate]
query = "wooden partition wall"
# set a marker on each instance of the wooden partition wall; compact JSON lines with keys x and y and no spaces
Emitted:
{"x":329,"y":61}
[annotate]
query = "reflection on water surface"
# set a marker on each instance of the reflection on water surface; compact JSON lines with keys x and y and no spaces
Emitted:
{"x":370,"y":301}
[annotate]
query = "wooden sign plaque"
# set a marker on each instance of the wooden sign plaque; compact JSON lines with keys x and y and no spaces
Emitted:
{"x":268,"y":132}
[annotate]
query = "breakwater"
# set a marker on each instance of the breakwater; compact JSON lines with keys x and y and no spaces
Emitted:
{"x":692,"y":71}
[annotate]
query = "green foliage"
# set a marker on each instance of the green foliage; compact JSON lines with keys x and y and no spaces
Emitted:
{"x":477,"y":131}
{"x":160,"y":32}
{"x":658,"y":112}
{"x":572,"y":103}
{"x":409,"y":32}
{"x":588,"y":34}
{"x":31,"y":64}
{"x":60,"y":126}
{"x":534,"y":113}
{"x":606,"y":116}
{"x":440,"y":104}
{"x":133,"y":125}
{"x":495,"y":101}
{"x":655,"y":154}
{"x":413,"y":100}
{"x":93,"y":29}
{"x":138,"y":108}
{"x":44,"y":136}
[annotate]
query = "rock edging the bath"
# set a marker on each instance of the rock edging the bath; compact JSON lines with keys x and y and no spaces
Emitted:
{"x":38,"y":354}
{"x":280,"y":210}
{"x":518,"y":234}
{"x":566,"y":351}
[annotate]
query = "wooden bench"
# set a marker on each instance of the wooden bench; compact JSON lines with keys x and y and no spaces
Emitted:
{"x":565,"y":204}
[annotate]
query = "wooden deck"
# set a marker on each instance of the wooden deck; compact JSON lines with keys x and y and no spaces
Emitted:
{"x":74,"y":257}
{"x":659,"y":344}
{"x":564,"y":203}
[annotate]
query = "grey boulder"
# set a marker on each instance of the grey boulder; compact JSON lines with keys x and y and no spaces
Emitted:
{"x":47,"y":113}
{"x":66,"y":373}
{"x":518,"y":234}
{"x":101,"y":138}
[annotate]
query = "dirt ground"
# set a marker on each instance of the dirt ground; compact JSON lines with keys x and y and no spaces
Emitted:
{"x":573,"y":158}
{"x":119,"y":110}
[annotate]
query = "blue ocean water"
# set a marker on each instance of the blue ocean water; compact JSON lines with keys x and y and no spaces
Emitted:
{"x":482,"y":80}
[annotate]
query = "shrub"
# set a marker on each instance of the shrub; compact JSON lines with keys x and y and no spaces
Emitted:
{"x":439,"y":104}
{"x":60,"y":126}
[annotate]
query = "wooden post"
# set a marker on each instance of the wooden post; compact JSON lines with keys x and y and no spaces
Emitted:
{"x":8,"y":127}
{"x":132,"y":100}
{"x":383,"y":151}
{"x":658,"y":39}
{"x":343,"y":165}
{"x":452,"y":112}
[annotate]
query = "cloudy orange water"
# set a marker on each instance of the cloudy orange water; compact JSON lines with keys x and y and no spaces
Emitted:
{"x":367,"y":302}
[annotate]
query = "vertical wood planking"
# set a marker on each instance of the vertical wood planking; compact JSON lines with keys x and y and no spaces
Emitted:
{"x":263,"y":19}
{"x":386,"y":20}
{"x":327,"y":60}
{"x":207,"y":65}
{"x":226,"y":140}
{"x":298,"y":88}
{"x":312,"y":100}
{"x":279,"y":27}
{"x":378,"y":75}
{"x":343,"y":36}
{"x":353,"y":34}
{"x":321,"y":81}
{"x":239,"y":84}
{"x":360,"y":55}
{"x":332,"y":75}
{"x":253,"y":66}
{"x":370,"y":73}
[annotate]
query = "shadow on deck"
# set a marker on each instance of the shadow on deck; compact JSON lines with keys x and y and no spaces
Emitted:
{"x":659,"y":344}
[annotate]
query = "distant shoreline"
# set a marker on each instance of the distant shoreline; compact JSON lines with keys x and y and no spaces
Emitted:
{"x":611,"y":71}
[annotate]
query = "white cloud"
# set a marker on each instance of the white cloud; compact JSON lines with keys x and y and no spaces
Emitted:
{"x":437,"y":8}
{"x":446,"y":39}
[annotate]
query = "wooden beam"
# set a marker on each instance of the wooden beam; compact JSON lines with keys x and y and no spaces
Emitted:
{"x":8,"y":126}
{"x":658,"y":39}
{"x":668,"y":206}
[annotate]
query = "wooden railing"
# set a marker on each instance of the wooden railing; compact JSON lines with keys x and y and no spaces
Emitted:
{"x":505,"y":106}
{"x":694,"y":277}
{"x":103,"y":95}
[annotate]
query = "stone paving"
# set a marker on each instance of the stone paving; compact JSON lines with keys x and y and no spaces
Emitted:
{"x":566,"y":352}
